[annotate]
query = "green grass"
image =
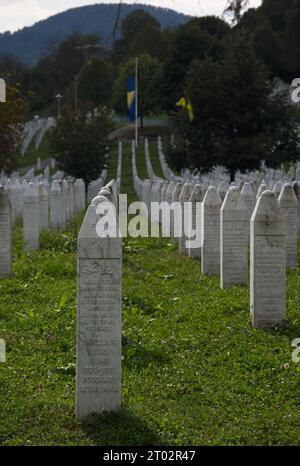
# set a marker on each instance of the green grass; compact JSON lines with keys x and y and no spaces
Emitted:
{"x":194,"y":370}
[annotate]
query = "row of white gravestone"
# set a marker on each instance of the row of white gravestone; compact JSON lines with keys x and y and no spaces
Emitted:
{"x":220,"y":174}
{"x":99,"y":298}
{"x":225,"y":233}
{"x":29,"y":202}
{"x":95,"y":186}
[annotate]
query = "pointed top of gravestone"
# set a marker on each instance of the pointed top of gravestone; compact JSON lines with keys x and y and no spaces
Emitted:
{"x":197,"y":194}
{"x":268,"y":212}
{"x":277,"y":188}
{"x":263,"y":187}
{"x":247,"y":190}
{"x":177,"y":191}
{"x":288,"y":194}
{"x":233,"y":200}
{"x":55,"y":186}
{"x":212,"y":197}
{"x":222,"y":189}
{"x":185,"y":193}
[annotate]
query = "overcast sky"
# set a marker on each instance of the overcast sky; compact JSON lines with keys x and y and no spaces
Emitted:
{"x":15,"y":14}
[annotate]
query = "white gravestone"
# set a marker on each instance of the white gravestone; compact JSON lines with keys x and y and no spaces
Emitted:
{"x":99,"y":298}
{"x":210,"y":223}
{"x":248,"y":197}
{"x":44,"y":212}
{"x":277,"y":188}
{"x":267,"y":262}
{"x":31,"y":221}
{"x":5,"y":234}
{"x":289,"y":205}
{"x":234,"y":239}
{"x":222,"y":190}
{"x":56,"y":206}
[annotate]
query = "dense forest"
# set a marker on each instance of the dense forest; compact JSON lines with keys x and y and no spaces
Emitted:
{"x":222,"y":67}
{"x":31,"y":43}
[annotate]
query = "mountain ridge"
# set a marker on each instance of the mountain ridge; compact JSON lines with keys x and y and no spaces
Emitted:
{"x":30,"y":43}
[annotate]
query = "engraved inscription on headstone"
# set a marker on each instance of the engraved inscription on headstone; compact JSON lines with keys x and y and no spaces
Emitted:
{"x":98,"y":376}
{"x":267,"y":262}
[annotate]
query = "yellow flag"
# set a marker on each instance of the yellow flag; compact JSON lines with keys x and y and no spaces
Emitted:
{"x":186,"y":104}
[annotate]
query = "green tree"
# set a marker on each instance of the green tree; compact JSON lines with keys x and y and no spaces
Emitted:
{"x":147,"y":86}
{"x":153,"y":41}
{"x":12,"y":118}
{"x":81,"y":145}
{"x":197,"y":38}
{"x":131,"y":26}
{"x":56,"y":71}
{"x":95,"y":82}
{"x":237,"y":123}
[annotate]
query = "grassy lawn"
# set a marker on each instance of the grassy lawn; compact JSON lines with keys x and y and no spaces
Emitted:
{"x":194,"y":370}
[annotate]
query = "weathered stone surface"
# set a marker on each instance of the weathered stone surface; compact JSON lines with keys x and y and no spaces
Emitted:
{"x":267,"y":262}
{"x":249,"y":198}
{"x":263,"y":187}
{"x":79,"y":195}
{"x":210,"y":221}
{"x":289,"y":205}
{"x":98,"y":375}
{"x":277,"y":188}
{"x":56,"y":206}
{"x":31,"y":221}
{"x":43,"y":203}
{"x":5,"y":234}
{"x":222,"y":190}
{"x":234,"y":239}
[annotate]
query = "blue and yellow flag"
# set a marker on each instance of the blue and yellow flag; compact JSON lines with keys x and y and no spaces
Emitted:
{"x":131,"y":99}
{"x":186,"y":104}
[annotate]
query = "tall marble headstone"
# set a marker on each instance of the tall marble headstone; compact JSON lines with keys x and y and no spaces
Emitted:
{"x":267,"y":262}
{"x":289,"y":205}
{"x":5,"y":234}
{"x":99,"y":298}
{"x":234,"y":239}
{"x":210,"y":223}
{"x":56,"y":206}
{"x":31,"y":220}
{"x":43,"y":203}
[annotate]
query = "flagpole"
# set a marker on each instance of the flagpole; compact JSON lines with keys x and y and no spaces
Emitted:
{"x":136,"y":102}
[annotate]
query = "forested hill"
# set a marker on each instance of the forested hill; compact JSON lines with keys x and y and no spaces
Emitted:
{"x":31,"y":43}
